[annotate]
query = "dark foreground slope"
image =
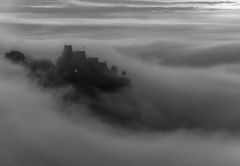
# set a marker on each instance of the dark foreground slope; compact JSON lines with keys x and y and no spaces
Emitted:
{"x":91,"y":80}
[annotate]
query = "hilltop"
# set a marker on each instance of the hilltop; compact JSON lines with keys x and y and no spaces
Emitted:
{"x":86,"y":74}
{"x":91,"y":80}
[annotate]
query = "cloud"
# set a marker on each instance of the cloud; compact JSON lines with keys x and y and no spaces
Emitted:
{"x":185,"y":87}
{"x":34,"y":133}
{"x":173,"y":5}
{"x":173,"y":53}
{"x":174,"y":97}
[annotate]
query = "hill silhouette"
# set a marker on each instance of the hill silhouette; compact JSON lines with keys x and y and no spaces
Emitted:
{"x":88,"y":76}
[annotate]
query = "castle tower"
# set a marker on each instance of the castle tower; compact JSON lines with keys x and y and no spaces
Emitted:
{"x":83,"y":54}
{"x":67,"y":50}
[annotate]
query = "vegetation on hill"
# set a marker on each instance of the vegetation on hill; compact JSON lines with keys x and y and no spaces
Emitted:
{"x":89,"y":78}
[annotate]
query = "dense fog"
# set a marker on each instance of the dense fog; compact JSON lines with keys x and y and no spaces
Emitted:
{"x":183,"y":62}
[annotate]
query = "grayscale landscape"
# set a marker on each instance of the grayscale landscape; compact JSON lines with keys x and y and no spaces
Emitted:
{"x":119,"y":83}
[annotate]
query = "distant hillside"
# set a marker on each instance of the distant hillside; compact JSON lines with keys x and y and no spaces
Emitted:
{"x":90,"y":79}
{"x":87,"y":74}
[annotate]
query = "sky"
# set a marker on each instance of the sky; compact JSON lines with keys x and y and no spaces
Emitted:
{"x":109,"y":19}
{"x":182,"y":57}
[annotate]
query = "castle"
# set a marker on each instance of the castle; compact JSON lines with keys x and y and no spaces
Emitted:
{"x":81,"y":57}
{"x":86,"y":74}
{"x":87,"y":79}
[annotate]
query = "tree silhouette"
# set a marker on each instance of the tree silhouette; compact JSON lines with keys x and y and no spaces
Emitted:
{"x":114,"y":69}
{"x":124,"y":73}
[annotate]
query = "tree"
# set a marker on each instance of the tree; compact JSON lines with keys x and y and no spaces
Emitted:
{"x":15,"y":56}
{"x":124,"y":73}
{"x":114,"y":69}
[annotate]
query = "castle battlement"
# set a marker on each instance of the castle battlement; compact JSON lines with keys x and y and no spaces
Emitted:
{"x":67,"y":48}
{"x":68,"y":51}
